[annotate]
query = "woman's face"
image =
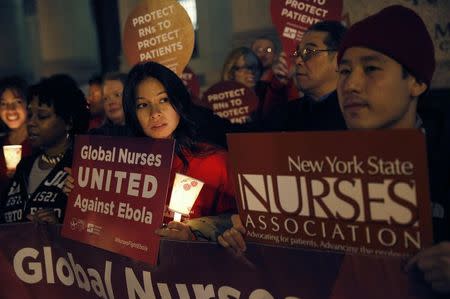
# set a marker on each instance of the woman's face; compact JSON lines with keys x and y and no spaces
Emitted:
{"x":112,"y":101}
{"x":12,"y":109}
{"x":46,"y":130}
{"x":245,"y":73}
{"x":154,"y":111}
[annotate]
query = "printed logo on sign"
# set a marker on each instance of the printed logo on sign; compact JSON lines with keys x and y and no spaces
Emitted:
{"x":290,"y":32}
{"x":93,"y":229}
{"x":77,"y":224}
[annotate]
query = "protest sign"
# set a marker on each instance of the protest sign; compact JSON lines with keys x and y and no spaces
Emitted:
{"x":190,"y":80}
{"x":355,"y":192}
{"x":292,"y":18}
{"x":232,"y":100}
{"x":36,"y":262}
{"x":120,"y":192}
{"x":159,"y":31}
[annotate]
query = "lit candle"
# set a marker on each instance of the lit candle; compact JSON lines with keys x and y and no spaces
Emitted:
{"x":184,"y":193}
{"x":13,"y":154}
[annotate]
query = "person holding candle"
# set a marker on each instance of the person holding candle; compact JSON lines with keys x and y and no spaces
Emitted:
{"x":14,"y":115}
{"x":158,"y":105}
{"x":57,"y":110}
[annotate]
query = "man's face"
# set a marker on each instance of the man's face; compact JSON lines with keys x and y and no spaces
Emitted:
{"x":317,"y":75}
{"x":94,"y":99}
{"x":374,"y":93}
{"x":265,"y":50}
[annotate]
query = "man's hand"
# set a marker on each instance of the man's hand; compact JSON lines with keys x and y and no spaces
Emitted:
{"x":176,"y":231}
{"x":234,"y":237}
{"x":434,"y":262}
{"x":280,"y":69}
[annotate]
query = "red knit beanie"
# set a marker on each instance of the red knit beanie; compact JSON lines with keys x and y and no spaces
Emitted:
{"x":399,"y":33}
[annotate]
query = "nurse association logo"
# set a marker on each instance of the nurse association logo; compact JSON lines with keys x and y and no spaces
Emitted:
{"x":290,"y":32}
{"x":77,"y":224}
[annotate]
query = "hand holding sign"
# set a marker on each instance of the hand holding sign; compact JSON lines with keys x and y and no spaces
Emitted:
{"x":159,"y":31}
{"x":292,"y":18}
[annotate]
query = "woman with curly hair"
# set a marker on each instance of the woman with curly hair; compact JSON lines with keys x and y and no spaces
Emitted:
{"x":57,"y":110}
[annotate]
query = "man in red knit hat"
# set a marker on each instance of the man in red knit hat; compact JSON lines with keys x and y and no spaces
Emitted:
{"x":386,"y":62}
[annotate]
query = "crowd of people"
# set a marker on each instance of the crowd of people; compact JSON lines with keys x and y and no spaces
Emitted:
{"x":369,"y":76}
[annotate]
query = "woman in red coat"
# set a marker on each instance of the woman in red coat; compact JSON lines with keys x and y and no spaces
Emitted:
{"x":157,"y":105}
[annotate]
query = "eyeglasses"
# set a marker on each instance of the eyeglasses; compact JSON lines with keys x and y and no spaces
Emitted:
{"x":307,"y":53}
{"x":250,"y":68}
{"x":263,"y":50}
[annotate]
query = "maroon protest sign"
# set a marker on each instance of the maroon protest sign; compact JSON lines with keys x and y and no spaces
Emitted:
{"x":356,"y":192}
{"x":120,"y":193}
{"x":190,"y":80}
{"x":35,"y":262}
{"x":292,"y":18}
{"x":231,"y":100}
{"x":159,"y":31}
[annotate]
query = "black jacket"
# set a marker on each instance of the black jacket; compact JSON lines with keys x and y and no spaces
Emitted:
{"x":306,"y":114}
{"x":16,"y":203}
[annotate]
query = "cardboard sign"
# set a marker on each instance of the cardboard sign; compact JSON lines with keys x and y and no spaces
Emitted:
{"x":292,"y":18}
{"x":354,"y":192}
{"x":159,"y":31}
{"x":190,"y":80}
{"x":120,"y":192}
{"x":231,"y":100}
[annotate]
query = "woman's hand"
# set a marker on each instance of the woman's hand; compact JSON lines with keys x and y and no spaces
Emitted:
{"x":176,"y":231}
{"x":69,"y":184}
{"x":234,"y":237}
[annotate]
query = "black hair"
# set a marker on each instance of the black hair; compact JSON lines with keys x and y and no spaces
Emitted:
{"x":95,"y":80}
{"x":17,"y":84}
{"x":61,"y":91}
{"x":179,"y":98}
{"x":335,"y":32}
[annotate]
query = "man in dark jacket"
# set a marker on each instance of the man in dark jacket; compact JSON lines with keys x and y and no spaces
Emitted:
{"x":316,"y":77}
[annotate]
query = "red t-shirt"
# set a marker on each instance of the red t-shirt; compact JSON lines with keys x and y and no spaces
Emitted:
{"x":217,"y":195}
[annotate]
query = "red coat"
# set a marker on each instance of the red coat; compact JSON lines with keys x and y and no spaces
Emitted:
{"x":217,"y":195}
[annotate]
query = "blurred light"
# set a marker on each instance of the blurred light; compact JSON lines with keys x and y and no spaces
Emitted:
{"x":191,"y":8}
